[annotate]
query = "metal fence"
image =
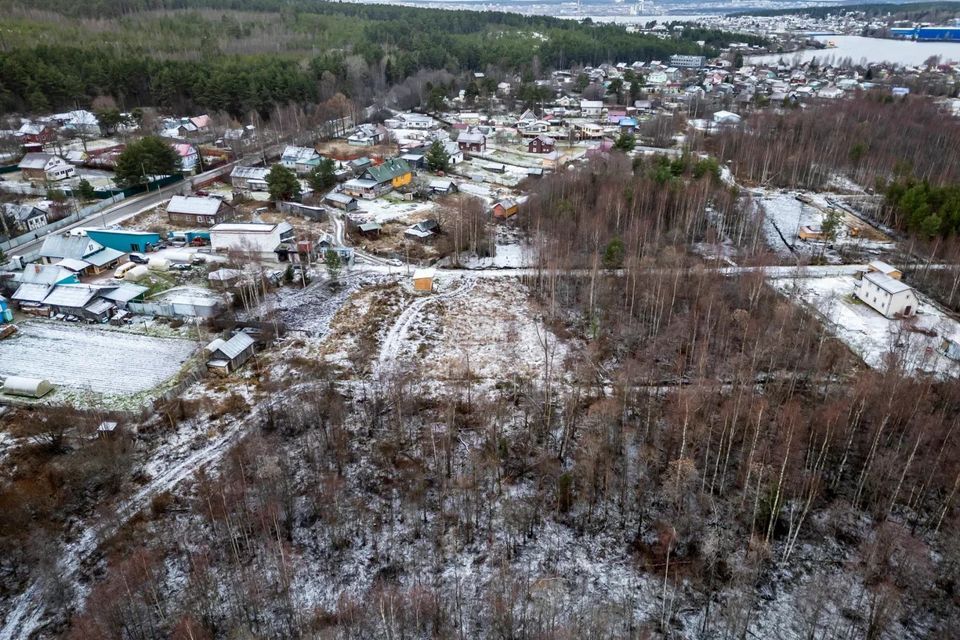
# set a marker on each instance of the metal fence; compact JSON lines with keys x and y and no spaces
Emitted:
{"x":78,"y":215}
{"x":174,"y":309}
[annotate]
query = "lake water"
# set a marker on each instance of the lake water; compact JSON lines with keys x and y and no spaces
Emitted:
{"x":860,"y":49}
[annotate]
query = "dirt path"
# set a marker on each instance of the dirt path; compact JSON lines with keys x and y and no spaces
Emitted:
{"x":393,"y":341}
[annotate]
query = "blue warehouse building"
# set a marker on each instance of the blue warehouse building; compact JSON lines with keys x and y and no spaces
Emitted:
{"x":927,"y":34}
{"x":125,"y":240}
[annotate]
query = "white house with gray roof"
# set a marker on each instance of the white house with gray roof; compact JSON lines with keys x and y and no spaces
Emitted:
{"x":890,"y":297}
{"x":79,"y":249}
{"x":45,"y":167}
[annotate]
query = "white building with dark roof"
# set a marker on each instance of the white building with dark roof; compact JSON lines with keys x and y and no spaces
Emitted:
{"x":261,"y":241}
{"x":45,"y":167}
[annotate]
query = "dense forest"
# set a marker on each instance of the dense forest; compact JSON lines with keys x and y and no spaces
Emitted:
{"x":873,"y":139}
{"x":221,"y":58}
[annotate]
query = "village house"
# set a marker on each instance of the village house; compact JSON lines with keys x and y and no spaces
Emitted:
{"x":26,"y":217}
{"x":300,"y":160}
{"x":369,"y":229}
{"x":528,"y":117}
{"x":423,"y":230}
{"x":189,"y":156}
{"x":726,"y":117}
{"x":472,"y":142}
{"x":395,"y":171}
{"x":226,"y":356}
{"x":443,"y":186}
{"x":591,"y":108}
{"x":534,"y":128}
{"x":240,"y":136}
{"x":411,"y":121}
{"x":249,"y":178}
{"x":366,"y":189}
{"x":453,"y":151}
{"x":261,"y":241}
{"x":45,"y":167}
{"x":889,"y":296}
{"x":79,"y":254}
{"x":69,"y":298}
{"x":80,"y":300}
{"x":36,"y":134}
{"x":367,"y":135}
{"x":341,"y":201}
{"x":505,"y":208}
{"x":47,"y":274}
{"x":541,"y":144}
{"x":195,"y":210}
{"x":79,"y":121}
{"x":469,"y":118}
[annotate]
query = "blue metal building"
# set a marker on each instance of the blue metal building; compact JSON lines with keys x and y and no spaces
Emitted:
{"x":927,"y":34}
{"x":124,"y":240}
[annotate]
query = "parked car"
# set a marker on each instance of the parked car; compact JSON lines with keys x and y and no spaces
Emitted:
{"x":139,"y":258}
{"x":120,"y":271}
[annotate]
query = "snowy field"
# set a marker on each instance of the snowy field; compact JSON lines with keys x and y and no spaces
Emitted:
{"x":784,"y":215}
{"x":491,"y":331}
{"x":870,"y":335}
{"x":387,"y":208}
{"x":85,"y":358}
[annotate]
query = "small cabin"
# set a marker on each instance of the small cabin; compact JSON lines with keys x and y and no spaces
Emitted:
{"x":811,"y":233}
{"x":423,"y":280}
{"x":878,"y":266}
{"x":226,"y":356}
{"x":505,"y":209}
{"x":950,"y":348}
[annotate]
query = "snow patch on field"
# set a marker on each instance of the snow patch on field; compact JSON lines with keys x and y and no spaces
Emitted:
{"x":872,"y":336}
{"x":85,"y":358}
{"x":493,"y":332}
{"x":386,"y":209}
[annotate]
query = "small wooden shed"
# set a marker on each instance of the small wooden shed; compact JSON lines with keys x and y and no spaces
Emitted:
{"x":423,"y":280}
{"x":811,"y":233}
{"x":879,"y":266}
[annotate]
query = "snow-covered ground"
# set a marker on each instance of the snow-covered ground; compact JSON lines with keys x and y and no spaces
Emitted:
{"x":870,"y":335}
{"x":785,"y":214}
{"x":485,"y":327}
{"x":388,"y":208}
{"x":86,"y":358}
{"x":511,"y":251}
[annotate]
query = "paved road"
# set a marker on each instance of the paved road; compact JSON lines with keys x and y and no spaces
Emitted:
{"x":130,"y":206}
